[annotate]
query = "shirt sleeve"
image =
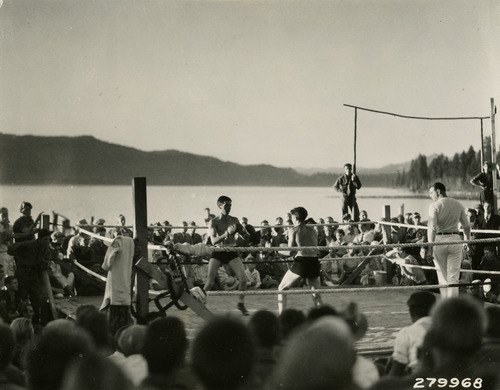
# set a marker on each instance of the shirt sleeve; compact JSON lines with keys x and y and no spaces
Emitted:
{"x":401,"y":352}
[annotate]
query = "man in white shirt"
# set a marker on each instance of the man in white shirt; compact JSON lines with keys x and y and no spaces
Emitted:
{"x":444,"y":216}
{"x":410,"y":338}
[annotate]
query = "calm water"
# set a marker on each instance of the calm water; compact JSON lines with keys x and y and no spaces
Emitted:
{"x":178,"y":203}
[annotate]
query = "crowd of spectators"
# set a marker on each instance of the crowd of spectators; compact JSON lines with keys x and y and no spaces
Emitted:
{"x":455,"y":340}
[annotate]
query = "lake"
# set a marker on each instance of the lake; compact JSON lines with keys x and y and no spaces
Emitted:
{"x":179,"y":203}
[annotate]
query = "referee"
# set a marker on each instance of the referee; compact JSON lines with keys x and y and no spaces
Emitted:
{"x":444,"y":216}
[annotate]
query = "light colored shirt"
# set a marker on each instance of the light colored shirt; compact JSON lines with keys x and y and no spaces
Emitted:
{"x":408,"y":340}
{"x":253,"y":277}
{"x":444,"y":216}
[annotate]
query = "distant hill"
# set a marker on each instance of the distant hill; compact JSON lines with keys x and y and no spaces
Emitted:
{"x":86,"y":160}
{"x":386,"y":169}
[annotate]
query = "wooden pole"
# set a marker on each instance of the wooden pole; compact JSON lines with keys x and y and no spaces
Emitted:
{"x":46,"y":221}
{"x":482,"y":146}
{"x":141,"y":236}
{"x":494,"y":155}
{"x":355,"y":138}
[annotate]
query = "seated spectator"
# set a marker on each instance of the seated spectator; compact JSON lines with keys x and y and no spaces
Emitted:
{"x":290,"y":320}
{"x":94,"y":372}
{"x":11,"y":378}
{"x":223,"y":354}
{"x":253,"y":277}
{"x":60,"y":342}
{"x":307,"y":361}
{"x":348,"y":265}
{"x":265,"y":330}
{"x":225,"y":281}
{"x":97,"y":326}
{"x":364,"y":371}
{"x":10,"y":300}
{"x":98,"y":249}
{"x":62,"y":282}
{"x":410,"y":276}
{"x":79,"y":249}
{"x":25,"y":341}
{"x":184,"y":236}
{"x":130,"y":343}
{"x":410,"y":338}
{"x":165,"y":346}
{"x":490,"y":262}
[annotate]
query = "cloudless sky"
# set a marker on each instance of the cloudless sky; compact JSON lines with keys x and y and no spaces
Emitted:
{"x":253,"y":81}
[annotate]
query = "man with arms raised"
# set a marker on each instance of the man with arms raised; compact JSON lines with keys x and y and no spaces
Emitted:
{"x":444,"y":215}
{"x":222,"y":231}
{"x":306,"y":264}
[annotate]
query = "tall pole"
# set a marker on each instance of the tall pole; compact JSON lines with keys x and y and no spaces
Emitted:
{"x":494,"y":154}
{"x":355,"y":138}
{"x":141,"y":236}
{"x":482,"y":146}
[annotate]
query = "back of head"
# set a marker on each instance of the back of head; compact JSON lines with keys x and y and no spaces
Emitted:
{"x":420,"y":304}
{"x":290,"y":320}
{"x":131,"y":340}
{"x":7,"y":344}
{"x":493,"y":316}
{"x":96,"y":324}
{"x":165,"y":344}
{"x":458,"y":325}
{"x":318,"y":357}
{"x":222,"y":199}
{"x":60,"y":342}
{"x":94,"y":372}
{"x":265,"y":329}
{"x":321,"y":311}
{"x":23,"y":330}
{"x":299,"y":212}
{"x":439,"y":186}
{"x":223,"y":353}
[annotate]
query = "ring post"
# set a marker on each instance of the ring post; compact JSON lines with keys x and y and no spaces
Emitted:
{"x":141,"y":236}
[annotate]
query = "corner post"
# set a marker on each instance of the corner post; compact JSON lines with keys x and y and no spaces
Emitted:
{"x":141,"y":236}
{"x":494,"y":155}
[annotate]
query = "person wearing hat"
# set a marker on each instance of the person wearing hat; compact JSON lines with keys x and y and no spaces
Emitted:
{"x":348,"y":184}
{"x":24,"y":227}
{"x":484,"y":180}
{"x":33,"y":257}
{"x":306,"y":264}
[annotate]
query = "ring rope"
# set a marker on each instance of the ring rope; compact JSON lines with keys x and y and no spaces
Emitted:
{"x":342,"y":290}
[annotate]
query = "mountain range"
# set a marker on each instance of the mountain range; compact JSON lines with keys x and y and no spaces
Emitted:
{"x":30,"y":159}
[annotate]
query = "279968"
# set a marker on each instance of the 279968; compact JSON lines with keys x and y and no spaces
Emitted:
{"x":451,"y":383}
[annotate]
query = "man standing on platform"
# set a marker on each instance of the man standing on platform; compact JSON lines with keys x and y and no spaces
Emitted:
{"x":444,"y":215}
{"x":484,"y":180}
{"x":222,"y":231}
{"x":347,"y":184}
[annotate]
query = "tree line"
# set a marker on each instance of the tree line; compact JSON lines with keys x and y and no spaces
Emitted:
{"x":455,"y":172}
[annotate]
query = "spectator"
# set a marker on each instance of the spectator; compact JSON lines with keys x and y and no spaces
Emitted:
{"x":6,"y":236}
{"x":290,"y":320}
{"x":25,"y":341}
{"x":60,"y":342}
{"x":253,"y":276}
{"x":307,"y":361}
{"x":223,"y":354}
{"x":24,"y":228}
{"x":131,"y":343}
{"x":33,"y":257}
{"x":94,"y":372}
{"x":265,"y":330}
{"x":410,"y":338}
{"x":165,"y":347}
{"x":11,"y":378}
{"x":10,"y":300}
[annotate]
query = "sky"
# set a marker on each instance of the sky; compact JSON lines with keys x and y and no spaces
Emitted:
{"x":253,"y":82}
